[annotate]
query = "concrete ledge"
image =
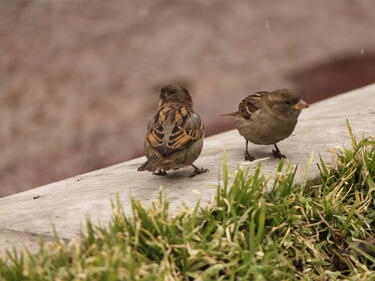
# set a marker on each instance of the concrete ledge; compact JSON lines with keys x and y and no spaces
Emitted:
{"x":67,"y":203}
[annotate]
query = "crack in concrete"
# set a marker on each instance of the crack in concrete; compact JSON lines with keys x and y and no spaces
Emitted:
{"x":33,"y":234}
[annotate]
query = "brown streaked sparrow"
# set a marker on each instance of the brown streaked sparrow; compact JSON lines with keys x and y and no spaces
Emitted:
{"x":174,"y":137}
{"x":267,"y":118}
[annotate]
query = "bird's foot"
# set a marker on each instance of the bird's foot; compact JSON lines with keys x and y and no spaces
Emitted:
{"x":198,"y":171}
{"x":278,"y":154}
{"x":160,"y":172}
{"x":249,"y":157}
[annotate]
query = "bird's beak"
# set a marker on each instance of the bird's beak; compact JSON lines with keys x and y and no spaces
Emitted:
{"x":300,"y":105}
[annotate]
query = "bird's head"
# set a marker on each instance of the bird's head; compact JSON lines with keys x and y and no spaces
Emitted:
{"x":284,"y":103}
{"x":175,"y":94}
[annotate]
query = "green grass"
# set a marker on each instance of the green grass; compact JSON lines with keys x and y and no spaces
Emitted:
{"x":295,"y":232}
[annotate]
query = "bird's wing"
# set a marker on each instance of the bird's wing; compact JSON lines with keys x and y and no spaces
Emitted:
{"x":250,"y":104}
{"x":174,"y":128}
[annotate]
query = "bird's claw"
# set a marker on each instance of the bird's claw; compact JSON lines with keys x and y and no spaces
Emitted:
{"x":198,"y":171}
{"x":278,"y":154}
{"x":249,"y":157}
{"x":160,"y":172}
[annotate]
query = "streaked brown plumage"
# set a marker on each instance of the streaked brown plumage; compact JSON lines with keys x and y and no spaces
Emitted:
{"x":267,"y":118}
{"x":174,"y":137}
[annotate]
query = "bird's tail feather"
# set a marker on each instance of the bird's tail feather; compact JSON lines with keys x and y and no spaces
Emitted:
{"x":230,"y":114}
{"x":149,"y":165}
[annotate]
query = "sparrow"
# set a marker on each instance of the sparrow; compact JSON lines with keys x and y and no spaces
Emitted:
{"x":267,"y":118}
{"x":174,"y":137}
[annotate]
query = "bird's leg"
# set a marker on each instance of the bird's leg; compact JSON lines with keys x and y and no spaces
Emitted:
{"x":160,"y":172}
{"x":276,"y":152}
{"x":197,"y":170}
{"x":248,"y":156}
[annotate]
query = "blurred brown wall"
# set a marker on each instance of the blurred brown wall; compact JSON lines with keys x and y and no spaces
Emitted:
{"x":79,"y":79}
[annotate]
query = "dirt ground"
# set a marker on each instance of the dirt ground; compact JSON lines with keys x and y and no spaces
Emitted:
{"x":80,"y":79}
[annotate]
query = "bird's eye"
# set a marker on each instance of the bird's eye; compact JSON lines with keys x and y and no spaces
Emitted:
{"x":288,"y":102}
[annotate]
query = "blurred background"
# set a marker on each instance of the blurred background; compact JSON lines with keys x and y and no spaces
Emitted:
{"x":79,"y":79}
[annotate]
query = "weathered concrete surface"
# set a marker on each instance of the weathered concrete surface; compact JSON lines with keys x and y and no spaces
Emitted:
{"x":67,"y":203}
{"x":64,"y":87}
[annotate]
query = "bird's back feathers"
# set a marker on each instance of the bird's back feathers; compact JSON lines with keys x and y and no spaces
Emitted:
{"x":248,"y":105}
{"x":174,"y":128}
